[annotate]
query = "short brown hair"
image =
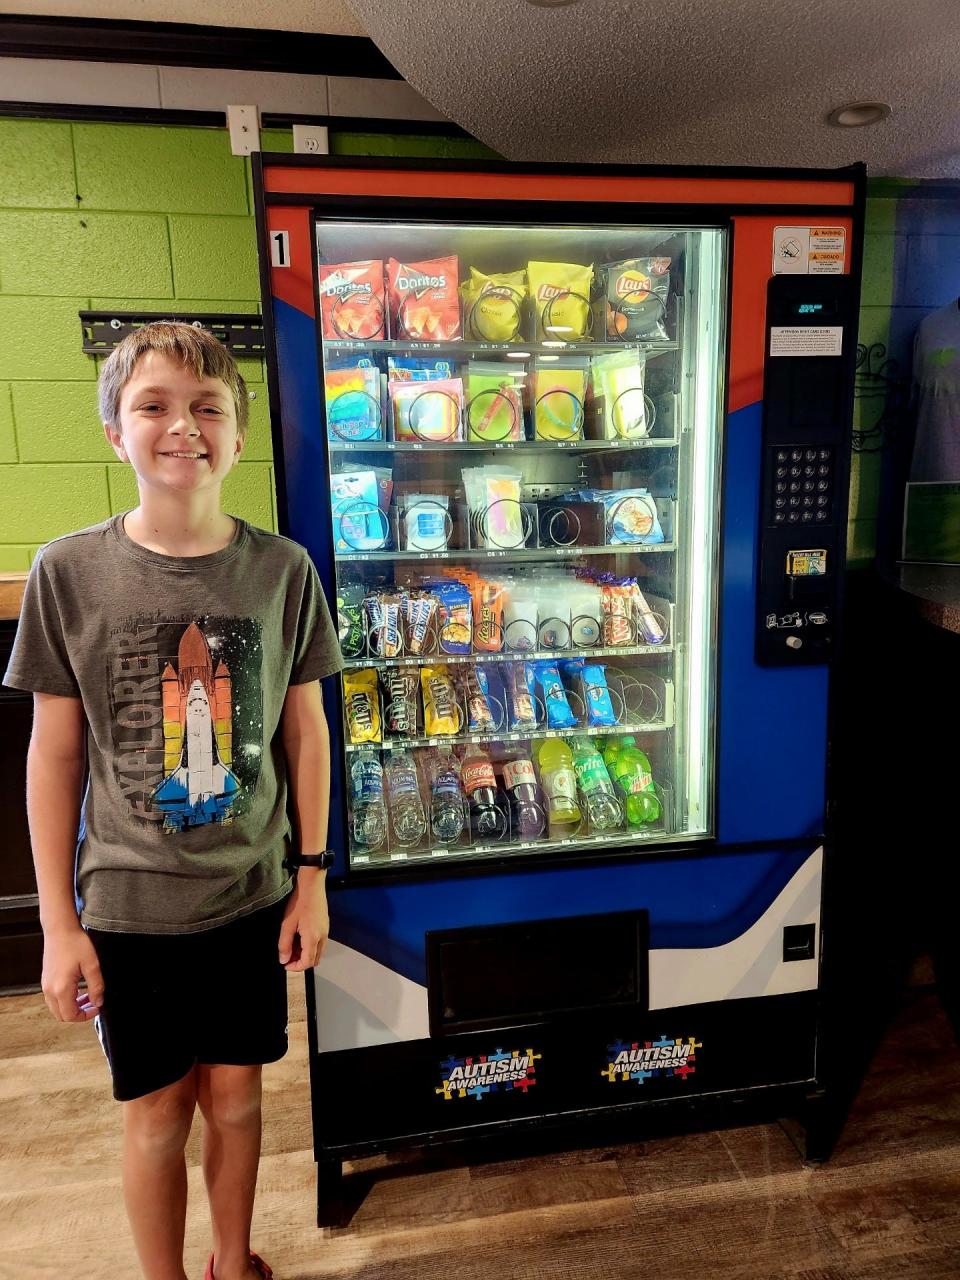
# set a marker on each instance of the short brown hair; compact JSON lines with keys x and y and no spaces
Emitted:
{"x":196,"y":349}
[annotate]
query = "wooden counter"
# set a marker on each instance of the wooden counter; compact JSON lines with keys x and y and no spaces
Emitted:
{"x":11,"y":594}
{"x":932,"y":589}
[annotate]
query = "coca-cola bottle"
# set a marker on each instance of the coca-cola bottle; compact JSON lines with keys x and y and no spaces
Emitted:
{"x":488,"y":821}
{"x":526,"y":802}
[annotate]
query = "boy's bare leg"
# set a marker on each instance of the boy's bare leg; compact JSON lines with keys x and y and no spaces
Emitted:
{"x":155,"y":1132}
{"x":229,"y":1099}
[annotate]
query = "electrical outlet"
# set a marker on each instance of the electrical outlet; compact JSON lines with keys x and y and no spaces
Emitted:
{"x":311,"y":139}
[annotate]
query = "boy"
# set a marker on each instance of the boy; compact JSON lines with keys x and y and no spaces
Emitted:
{"x":183,"y":648}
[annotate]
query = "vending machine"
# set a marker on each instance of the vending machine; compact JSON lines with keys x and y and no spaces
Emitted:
{"x":569,"y":449}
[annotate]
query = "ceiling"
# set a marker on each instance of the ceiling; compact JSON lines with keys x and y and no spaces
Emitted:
{"x":637,"y":81}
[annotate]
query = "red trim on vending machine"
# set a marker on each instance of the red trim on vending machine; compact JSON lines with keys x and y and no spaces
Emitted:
{"x":752,"y":268}
{"x":291,"y":282}
{"x":583,"y":185}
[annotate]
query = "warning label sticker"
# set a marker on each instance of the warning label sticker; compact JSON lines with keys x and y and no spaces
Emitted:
{"x":808,"y":251}
{"x":806,"y":340}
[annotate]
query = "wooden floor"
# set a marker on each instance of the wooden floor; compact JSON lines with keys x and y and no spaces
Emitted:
{"x":731,"y":1204}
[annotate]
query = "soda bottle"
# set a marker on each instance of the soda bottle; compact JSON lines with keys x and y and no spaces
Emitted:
{"x":613,"y":747}
{"x":446,"y":799}
{"x":559,"y":781}
{"x":635,"y":780}
{"x":526,"y":804}
{"x":368,"y":811}
{"x":596,"y":788}
{"x":487,"y":820}
{"x":407,"y":818}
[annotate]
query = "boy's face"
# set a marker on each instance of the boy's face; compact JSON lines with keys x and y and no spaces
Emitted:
{"x":176,"y":432}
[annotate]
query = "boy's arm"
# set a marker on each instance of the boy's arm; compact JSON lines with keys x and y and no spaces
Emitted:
{"x":56,"y":765}
{"x":306,"y":744}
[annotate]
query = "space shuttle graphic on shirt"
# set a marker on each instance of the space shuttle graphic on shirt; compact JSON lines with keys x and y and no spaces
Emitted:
{"x":198,"y":784}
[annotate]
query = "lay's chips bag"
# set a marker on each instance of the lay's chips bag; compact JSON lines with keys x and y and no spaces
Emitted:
{"x":493,"y":305}
{"x":634,"y":298}
{"x":424,"y":305}
{"x":352,"y":304}
{"x":561,"y":300}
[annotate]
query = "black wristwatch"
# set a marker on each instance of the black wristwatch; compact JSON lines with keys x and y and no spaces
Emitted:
{"x":321,"y":860}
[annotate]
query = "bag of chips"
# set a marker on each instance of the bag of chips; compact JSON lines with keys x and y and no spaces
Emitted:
{"x":352,"y":301}
{"x":456,"y":616}
{"x":350,"y":619}
{"x":362,"y":705}
{"x":633,"y":297}
{"x":561,"y":300}
{"x":493,"y":305}
{"x":424,"y":306}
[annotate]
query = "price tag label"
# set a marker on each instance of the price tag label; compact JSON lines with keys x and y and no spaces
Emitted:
{"x":398,"y":857}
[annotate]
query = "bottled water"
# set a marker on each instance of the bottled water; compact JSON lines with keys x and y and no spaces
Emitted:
{"x":446,"y":798}
{"x":368,"y":811}
{"x":407,"y":818}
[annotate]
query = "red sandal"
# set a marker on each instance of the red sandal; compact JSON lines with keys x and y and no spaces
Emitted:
{"x":255,"y":1258}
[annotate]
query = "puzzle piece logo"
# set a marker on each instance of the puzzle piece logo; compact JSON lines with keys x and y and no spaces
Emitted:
{"x":650,"y":1060}
{"x":487,"y":1073}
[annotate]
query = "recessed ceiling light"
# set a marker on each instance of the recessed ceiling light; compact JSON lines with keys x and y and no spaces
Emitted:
{"x":855,"y":114}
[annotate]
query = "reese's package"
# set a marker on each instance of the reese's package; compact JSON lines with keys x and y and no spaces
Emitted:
{"x":634,"y":298}
{"x":424,"y":305}
{"x":352,"y":302}
{"x":561,"y":300}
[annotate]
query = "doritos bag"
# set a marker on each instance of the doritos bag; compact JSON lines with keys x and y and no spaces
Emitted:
{"x":352,"y":302}
{"x":424,"y":306}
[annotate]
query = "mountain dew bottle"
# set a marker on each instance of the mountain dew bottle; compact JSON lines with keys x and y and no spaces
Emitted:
{"x":613,"y":747}
{"x":631,"y":770}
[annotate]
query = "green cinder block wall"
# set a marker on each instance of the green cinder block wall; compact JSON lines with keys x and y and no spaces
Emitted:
{"x":95,"y":216}
{"x":128,"y":216}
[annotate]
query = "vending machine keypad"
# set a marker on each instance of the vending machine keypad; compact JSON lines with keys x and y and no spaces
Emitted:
{"x":807,"y":406}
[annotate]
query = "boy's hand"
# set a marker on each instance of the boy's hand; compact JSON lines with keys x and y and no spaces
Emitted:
{"x":306,"y":922}
{"x":69,"y":958}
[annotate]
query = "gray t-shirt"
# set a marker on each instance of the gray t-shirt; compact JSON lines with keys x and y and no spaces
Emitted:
{"x":182,"y":664}
{"x":936,"y":385}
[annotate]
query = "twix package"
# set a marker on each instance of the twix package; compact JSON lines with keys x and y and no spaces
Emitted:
{"x":424,"y":305}
{"x":352,"y":300}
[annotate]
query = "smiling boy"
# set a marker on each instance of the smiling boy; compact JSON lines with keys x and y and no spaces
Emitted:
{"x":175,"y":654}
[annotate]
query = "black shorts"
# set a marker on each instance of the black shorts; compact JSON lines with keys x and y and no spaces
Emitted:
{"x":173,"y":1000}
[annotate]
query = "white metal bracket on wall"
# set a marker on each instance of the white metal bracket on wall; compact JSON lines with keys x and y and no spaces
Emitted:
{"x":244,"y":126}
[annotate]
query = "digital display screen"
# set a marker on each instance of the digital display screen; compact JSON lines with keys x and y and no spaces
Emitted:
{"x":826,"y":307}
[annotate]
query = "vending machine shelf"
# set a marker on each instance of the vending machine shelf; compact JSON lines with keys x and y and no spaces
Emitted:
{"x":464,"y":739}
{"x":518,"y":655}
{"x":512,"y":553}
{"x":484,"y":446}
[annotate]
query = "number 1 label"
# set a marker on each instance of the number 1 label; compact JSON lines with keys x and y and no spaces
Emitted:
{"x":280,"y":248}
